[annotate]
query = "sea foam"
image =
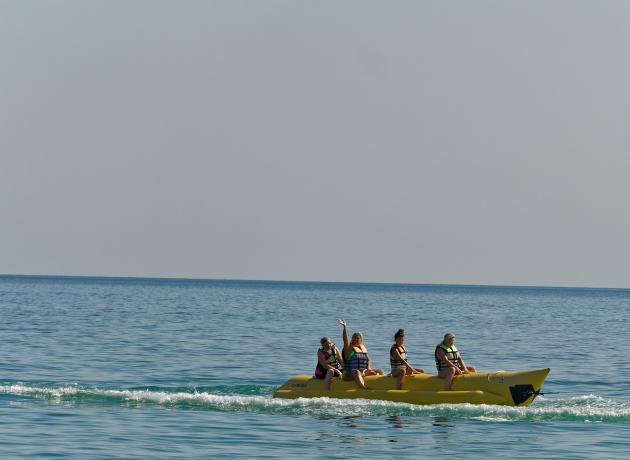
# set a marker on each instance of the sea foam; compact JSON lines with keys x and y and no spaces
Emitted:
{"x":586,"y":408}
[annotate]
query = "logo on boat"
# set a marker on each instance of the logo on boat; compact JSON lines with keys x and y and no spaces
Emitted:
{"x":299,"y":385}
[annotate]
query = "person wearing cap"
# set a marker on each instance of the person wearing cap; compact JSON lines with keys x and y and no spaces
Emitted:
{"x":398,"y":359}
{"x":358,"y":363}
{"x":449,"y":361}
{"x":329,"y":362}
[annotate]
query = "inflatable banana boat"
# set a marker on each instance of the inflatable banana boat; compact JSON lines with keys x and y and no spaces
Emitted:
{"x":518,"y":388}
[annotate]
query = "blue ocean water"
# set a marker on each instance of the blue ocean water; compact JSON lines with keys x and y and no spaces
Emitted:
{"x":152,"y":368}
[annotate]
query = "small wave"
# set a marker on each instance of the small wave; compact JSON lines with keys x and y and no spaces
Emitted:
{"x":248,"y":398}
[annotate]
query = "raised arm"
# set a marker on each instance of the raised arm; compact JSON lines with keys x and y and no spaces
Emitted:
{"x":346,"y":342}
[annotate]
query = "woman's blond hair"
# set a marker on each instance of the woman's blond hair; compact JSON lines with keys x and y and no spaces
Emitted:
{"x":357,"y":335}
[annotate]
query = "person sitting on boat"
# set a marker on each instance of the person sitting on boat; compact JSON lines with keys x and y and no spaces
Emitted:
{"x":398,"y":359}
{"x":329,"y":362}
{"x":449,"y":361}
{"x":358,"y":363}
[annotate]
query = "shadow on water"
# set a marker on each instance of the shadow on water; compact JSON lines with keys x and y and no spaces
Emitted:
{"x":351,"y":422}
{"x":442,"y":429}
{"x":397,"y":421}
{"x":342,"y":436}
{"x":442,"y":422}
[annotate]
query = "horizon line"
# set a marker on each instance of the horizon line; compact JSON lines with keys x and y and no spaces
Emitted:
{"x":256,"y":280}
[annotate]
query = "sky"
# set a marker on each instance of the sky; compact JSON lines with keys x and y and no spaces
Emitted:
{"x":458,"y":142}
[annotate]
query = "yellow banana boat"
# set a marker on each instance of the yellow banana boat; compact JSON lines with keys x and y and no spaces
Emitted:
{"x":504,"y":388}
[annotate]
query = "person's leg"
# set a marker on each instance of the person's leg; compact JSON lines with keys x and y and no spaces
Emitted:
{"x":329,"y":376}
{"x":471,"y":369}
{"x":374,"y":372}
{"x":447,"y":374}
{"x":417,"y":370}
{"x":358,"y":377}
{"x":399,"y":374}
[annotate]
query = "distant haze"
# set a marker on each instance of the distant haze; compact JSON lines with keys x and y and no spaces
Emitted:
{"x":480,"y":142}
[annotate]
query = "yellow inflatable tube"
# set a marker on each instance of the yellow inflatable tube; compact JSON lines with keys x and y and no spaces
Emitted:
{"x":504,"y":388}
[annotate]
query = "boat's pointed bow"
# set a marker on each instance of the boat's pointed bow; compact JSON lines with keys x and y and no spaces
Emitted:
{"x":539,"y":375}
{"x":527,"y":386}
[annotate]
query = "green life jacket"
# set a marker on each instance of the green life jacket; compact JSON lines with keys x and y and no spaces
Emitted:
{"x":452,"y":354}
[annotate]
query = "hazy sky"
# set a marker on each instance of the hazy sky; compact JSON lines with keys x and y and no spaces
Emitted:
{"x":425,"y":142}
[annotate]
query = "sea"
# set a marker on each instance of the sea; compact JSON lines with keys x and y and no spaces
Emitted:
{"x":175,"y":368}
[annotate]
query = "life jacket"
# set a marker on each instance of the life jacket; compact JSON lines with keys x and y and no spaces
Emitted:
{"x":452,"y":354}
{"x":331,"y":358}
{"x":395,"y":362}
{"x":357,"y":360}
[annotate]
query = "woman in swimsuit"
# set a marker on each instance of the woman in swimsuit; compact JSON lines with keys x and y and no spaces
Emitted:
{"x":398,"y":359}
{"x":329,"y":362}
{"x":358,"y":362}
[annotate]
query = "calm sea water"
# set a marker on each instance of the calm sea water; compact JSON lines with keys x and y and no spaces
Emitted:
{"x":148,"y":368}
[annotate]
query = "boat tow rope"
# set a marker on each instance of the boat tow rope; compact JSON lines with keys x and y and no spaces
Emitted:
{"x":523,"y":392}
{"x":540,"y":393}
